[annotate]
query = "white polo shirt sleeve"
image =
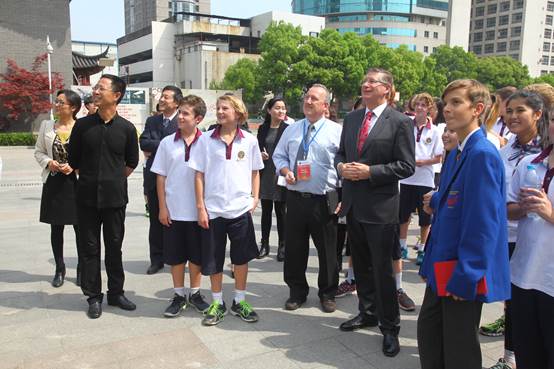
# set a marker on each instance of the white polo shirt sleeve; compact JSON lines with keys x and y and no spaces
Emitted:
{"x":256,"y":155}
{"x":198,"y":160}
{"x":161,"y":163}
{"x":512,"y":194}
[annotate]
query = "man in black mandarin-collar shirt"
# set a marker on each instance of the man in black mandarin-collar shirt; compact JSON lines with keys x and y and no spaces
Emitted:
{"x":103,"y":150}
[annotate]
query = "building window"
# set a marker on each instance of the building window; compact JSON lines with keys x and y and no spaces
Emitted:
{"x":517,"y":17}
{"x":478,"y":37}
{"x":503,"y":33}
{"x":491,"y":22}
{"x":553,"y":47}
{"x":425,"y":49}
{"x":434,"y":49}
{"x":547,"y":33}
{"x":550,"y":6}
{"x":500,"y":47}
{"x":426,"y":34}
{"x":479,"y":24}
{"x":548,"y":20}
{"x":435,"y":35}
{"x":480,"y":11}
{"x":489,"y":48}
{"x":491,"y":9}
{"x":489,"y":35}
{"x":544,"y":72}
{"x":518,"y":4}
{"x":516,"y":31}
{"x":514,"y":45}
{"x":477,"y":49}
{"x":503,"y":20}
{"x":505,"y":6}
{"x":514,"y":56}
{"x":545,"y":59}
{"x":552,"y":60}
{"x":546,"y":46}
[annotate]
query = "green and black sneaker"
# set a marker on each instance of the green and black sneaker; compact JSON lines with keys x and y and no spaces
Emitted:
{"x":244,"y":311}
{"x":493,"y":329}
{"x":215,"y":314}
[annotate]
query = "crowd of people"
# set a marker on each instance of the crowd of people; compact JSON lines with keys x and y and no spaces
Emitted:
{"x":475,"y":168}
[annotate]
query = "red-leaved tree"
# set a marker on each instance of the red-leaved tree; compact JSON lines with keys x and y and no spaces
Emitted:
{"x":24,"y":93}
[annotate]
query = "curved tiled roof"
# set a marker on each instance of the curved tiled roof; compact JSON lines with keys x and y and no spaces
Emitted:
{"x":81,"y":61}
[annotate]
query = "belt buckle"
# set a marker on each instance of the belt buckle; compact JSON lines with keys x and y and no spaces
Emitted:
{"x":306,"y":195}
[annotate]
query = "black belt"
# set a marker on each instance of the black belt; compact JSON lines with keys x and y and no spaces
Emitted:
{"x":307,"y":194}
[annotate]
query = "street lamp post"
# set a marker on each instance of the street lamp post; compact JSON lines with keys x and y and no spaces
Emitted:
{"x":50,"y":50}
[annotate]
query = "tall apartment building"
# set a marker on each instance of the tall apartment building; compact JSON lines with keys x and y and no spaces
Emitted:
{"x":139,"y":13}
{"x":521,"y":29}
{"x":419,"y":24}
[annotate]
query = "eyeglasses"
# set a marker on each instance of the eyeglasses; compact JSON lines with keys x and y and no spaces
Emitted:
{"x":59,"y":102}
{"x":99,"y":88}
{"x":373,"y":82}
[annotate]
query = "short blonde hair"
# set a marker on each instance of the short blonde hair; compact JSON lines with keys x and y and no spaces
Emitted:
{"x":237,"y":105}
{"x":475,"y":91}
{"x":546,"y":91}
{"x":425,"y":97}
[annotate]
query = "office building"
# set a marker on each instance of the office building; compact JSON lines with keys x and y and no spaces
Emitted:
{"x":418,"y":24}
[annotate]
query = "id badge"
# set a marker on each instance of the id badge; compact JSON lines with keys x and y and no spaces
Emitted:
{"x":304,"y":170}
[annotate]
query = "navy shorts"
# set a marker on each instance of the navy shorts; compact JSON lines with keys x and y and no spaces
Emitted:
{"x":411,"y":199}
{"x":182,"y":243}
{"x":214,"y":242}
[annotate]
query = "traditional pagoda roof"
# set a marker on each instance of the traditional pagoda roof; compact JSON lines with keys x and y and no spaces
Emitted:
{"x":88,"y":64}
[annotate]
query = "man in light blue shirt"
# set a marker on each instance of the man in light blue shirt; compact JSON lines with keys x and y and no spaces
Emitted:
{"x":305,"y":157}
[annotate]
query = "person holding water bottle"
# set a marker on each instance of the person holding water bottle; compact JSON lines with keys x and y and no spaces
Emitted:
{"x":530,"y":200}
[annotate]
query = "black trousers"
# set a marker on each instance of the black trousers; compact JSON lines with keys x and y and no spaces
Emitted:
{"x":56,"y":239}
{"x":112,"y":222}
{"x":280,"y":211}
{"x":533,"y":328}
{"x":371,"y":246}
{"x":447,"y":333}
{"x":155,"y":233}
{"x":309,"y":217}
{"x":508,"y":324}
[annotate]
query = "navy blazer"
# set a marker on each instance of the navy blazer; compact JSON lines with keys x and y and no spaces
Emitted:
{"x":150,"y":138}
{"x":470,"y":223}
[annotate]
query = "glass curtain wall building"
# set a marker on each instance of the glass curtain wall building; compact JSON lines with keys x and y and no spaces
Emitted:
{"x":418,"y":24}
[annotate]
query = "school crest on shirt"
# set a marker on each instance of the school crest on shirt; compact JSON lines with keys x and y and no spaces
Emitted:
{"x":241,"y":155}
{"x":428,"y":140}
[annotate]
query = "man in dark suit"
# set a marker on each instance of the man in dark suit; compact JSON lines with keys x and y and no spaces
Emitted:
{"x":376,"y":150}
{"x":155,"y":129}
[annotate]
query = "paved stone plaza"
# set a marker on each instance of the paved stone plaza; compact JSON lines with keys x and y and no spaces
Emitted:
{"x":44,"y":327}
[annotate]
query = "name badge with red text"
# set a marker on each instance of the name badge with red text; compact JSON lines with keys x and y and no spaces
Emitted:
{"x":304,"y":169}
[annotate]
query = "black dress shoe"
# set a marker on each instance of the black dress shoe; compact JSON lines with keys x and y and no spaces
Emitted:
{"x":293,"y":304}
{"x":94,"y":309}
{"x":328,"y":305}
{"x":154,"y":268}
{"x":122,"y":302}
{"x":281,"y":252}
{"x":358,"y":322}
{"x":264,"y":250}
{"x":391,"y":346}
{"x":59,"y":277}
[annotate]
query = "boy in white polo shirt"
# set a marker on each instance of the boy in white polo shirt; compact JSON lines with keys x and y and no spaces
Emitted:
{"x":175,"y":183}
{"x":227,"y":192}
{"x":429,"y":149}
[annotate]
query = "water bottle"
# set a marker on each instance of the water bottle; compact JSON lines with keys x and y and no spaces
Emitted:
{"x":532,"y":180}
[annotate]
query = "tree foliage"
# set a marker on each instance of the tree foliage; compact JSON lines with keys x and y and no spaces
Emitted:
{"x":290,"y":62}
{"x":241,"y":75}
{"x":24,"y":93}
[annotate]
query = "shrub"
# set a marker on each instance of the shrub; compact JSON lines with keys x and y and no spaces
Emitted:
{"x":17,"y":139}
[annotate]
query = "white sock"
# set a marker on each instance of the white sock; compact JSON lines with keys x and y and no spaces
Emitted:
{"x":403,"y":243}
{"x":194,"y":290}
{"x":398,"y":277}
{"x":510,"y":358}
{"x":180,"y":291}
{"x":350,"y":275}
{"x":217,"y":296}
{"x":239,"y":295}
{"x":420,"y":246}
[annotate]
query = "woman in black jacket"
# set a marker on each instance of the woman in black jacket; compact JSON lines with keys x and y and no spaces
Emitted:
{"x":270,"y":193}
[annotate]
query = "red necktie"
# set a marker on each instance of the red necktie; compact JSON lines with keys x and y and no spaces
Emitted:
{"x":364,"y":131}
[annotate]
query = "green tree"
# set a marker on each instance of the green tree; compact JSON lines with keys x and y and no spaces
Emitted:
{"x":454,"y":63}
{"x":497,"y":72}
{"x":547,"y":78}
{"x":241,"y":75}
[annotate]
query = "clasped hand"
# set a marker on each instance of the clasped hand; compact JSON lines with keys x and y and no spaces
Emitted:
{"x":355,"y":171}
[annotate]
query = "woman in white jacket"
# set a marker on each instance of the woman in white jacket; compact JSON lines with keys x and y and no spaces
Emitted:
{"x":58,"y":204}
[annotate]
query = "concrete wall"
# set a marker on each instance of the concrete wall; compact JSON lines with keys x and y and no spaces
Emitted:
{"x":308,"y":23}
{"x":458,"y":22}
{"x":163,"y":59}
{"x":532,"y":37}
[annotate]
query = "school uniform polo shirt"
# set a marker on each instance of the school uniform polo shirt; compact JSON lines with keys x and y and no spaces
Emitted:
{"x":227,"y":172}
{"x":172,"y":161}
{"x":427,"y":146}
{"x":531,"y":264}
